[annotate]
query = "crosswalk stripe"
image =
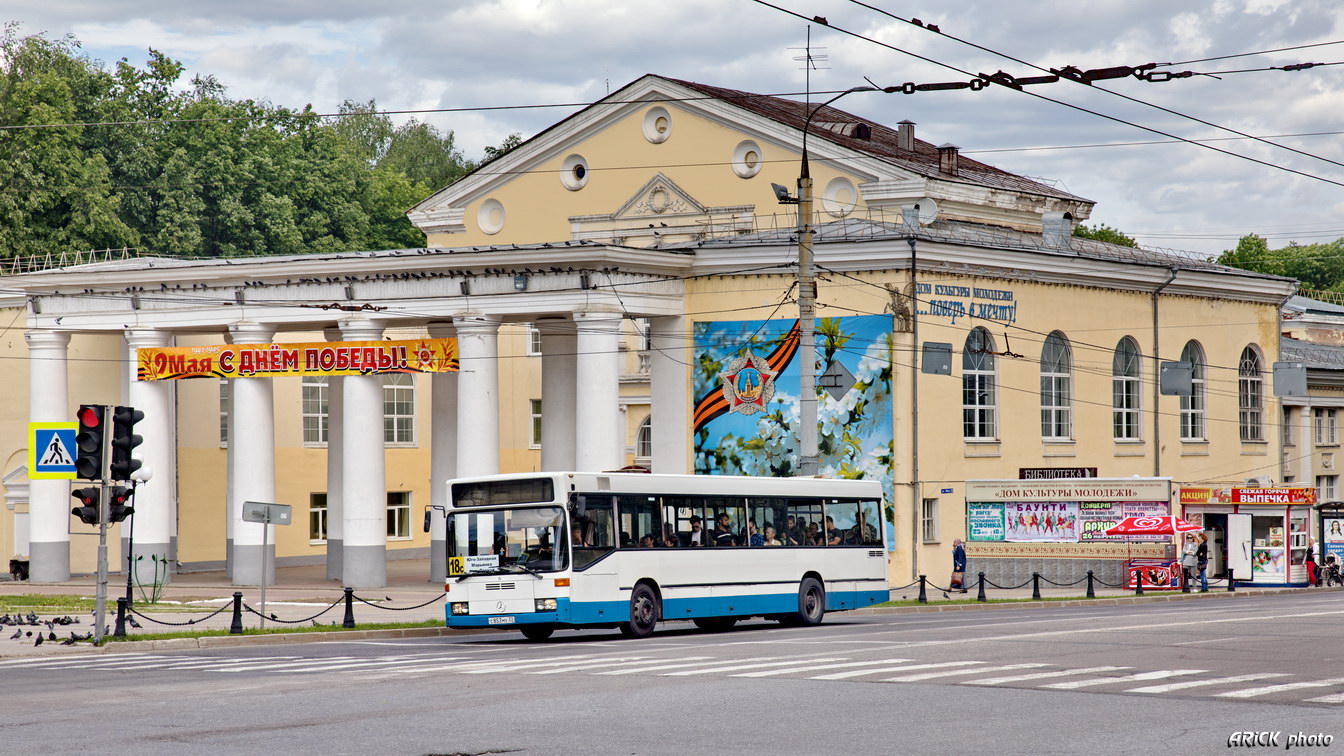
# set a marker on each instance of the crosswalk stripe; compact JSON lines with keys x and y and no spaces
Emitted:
{"x":1268,"y":689}
{"x":511,"y":665}
{"x":952,"y":672}
{"x":678,"y":665}
{"x":880,"y":670}
{"x":1140,"y":677}
{"x":1202,"y":683}
{"x":1334,"y":698}
{"x":240,"y":665}
{"x":757,"y":665}
{"x":381,"y":663}
{"x":770,"y":672}
{"x":1041,"y":675}
{"x":81,"y":658}
{"x":460,"y":666}
{"x":618,"y":662}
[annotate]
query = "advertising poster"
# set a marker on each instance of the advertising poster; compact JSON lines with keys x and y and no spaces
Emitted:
{"x":984,"y":522}
{"x":1334,"y":538}
{"x":297,"y":359}
{"x":1041,"y":521}
{"x":1094,"y":517}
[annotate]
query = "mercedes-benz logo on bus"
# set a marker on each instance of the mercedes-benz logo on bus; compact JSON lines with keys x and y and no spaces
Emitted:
{"x":499,"y":605}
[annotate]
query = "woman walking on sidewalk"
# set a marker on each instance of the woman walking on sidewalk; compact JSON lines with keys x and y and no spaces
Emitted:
{"x":1202,"y":561}
{"x":958,"y":582}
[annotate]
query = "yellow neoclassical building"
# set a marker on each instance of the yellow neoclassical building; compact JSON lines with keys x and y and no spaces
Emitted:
{"x":598,"y":283}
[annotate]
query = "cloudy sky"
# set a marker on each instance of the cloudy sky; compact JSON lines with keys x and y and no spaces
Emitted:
{"x":480,"y":53}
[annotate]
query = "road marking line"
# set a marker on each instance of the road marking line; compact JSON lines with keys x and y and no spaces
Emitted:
{"x":251,"y":666}
{"x":511,"y":665}
{"x":381,"y":663}
{"x":1335,"y":698}
{"x":735,"y":667}
{"x":78,"y":660}
{"x":861,"y":672}
{"x":678,"y":665}
{"x":1210,"y":641}
{"x":1041,"y":675}
{"x":1268,"y":689}
{"x":951,"y":672}
{"x":770,"y":672}
{"x":627,"y":661}
{"x":1140,"y":677}
{"x":1202,"y":683}
{"x":479,"y":664}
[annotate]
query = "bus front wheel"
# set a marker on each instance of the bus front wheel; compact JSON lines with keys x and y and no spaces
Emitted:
{"x":537,"y":632}
{"x":811,"y":603}
{"x":644,"y":612}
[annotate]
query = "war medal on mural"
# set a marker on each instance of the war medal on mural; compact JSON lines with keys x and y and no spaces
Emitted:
{"x":748,"y":384}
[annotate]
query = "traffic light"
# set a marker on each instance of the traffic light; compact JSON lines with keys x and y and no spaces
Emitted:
{"x":87,"y":512}
{"x":119,"y":504}
{"x":89,"y":442}
{"x":124,"y":441}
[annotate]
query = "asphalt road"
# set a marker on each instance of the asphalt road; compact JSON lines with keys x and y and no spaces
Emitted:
{"x":1174,"y":677}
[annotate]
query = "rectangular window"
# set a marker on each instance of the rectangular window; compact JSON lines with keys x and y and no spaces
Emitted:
{"x":1326,"y":487}
{"x":928,"y":520}
{"x":1125,"y":403}
{"x":399,"y":515}
{"x":223,"y":413}
{"x":1250,"y":404}
{"x":639,"y":522}
{"x":1289,"y":437}
{"x":317,"y":518}
{"x":977,"y":405}
{"x":315,"y":393}
{"x":1327,"y":430}
{"x":802,"y":523}
{"x":399,"y":408}
{"x":533,"y":340}
{"x":534,"y":407}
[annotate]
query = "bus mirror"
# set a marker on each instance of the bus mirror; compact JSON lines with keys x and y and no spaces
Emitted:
{"x":427,"y":511}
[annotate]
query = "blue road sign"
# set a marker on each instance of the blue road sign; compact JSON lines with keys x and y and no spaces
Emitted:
{"x":51,"y":450}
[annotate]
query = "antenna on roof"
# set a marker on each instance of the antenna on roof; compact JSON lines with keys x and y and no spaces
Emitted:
{"x":812,"y":58}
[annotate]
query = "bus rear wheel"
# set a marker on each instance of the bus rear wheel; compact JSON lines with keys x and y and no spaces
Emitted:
{"x":811,"y":603}
{"x":537,"y":632}
{"x":644,"y":613}
{"x":715,"y":624}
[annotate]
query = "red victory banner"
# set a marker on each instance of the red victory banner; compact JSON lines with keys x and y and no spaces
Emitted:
{"x":315,"y":358}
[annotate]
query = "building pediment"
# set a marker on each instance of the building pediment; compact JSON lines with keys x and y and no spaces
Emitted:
{"x":660,"y":197}
{"x":661,"y":212}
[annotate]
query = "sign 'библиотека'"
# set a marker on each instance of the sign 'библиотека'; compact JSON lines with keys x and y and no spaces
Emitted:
{"x":316,"y":358}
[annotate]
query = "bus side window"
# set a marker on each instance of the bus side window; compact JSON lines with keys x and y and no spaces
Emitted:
{"x":870,"y":520}
{"x":841,"y":517}
{"x":596,"y":528}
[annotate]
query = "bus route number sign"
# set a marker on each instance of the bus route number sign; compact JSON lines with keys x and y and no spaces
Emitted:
{"x":470,"y":564}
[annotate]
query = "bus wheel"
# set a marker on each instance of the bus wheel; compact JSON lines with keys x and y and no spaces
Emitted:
{"x":644,"y":612}
{"x":811,"y":603}
{"x":715,"y":624}
{"x":537,"y":632}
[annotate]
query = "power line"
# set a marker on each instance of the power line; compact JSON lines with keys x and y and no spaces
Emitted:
{"x":1248,"y":54}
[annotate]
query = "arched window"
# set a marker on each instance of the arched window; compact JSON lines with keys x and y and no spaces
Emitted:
{"x":644,"y":439}
{"x":1056,"y":388}
{"x":1250,"y":395}
{"x":1125,"y":384}
{"x":978,"y":399}
{"x":1193,"y":406}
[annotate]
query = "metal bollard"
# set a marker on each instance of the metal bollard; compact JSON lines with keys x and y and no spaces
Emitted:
{"x":1138,"y":582}
{"x":1035,"y":586}
{"x":1185,"y":580}
{"x":120,"y":632}
{"x":236,"y":627}
{"x":980,"y":594}
{"x":1091,"y":593}
{"x":923,"y":592}
{"x":349,"y":608}
{"x":1231,"y":584}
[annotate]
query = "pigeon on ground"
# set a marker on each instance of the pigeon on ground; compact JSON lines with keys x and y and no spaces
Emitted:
{"x":69,"y":641}
{"x":17,"y":634}
{"x":50,"y":635}
{"x":133,"y":623}
{"x":39,"y":640}
{"x":945,"y":595}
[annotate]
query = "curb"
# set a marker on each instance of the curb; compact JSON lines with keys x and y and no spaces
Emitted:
{"x":972,"y":605}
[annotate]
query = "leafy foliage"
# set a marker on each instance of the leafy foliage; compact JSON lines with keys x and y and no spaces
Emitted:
{"x":1317,"y":266}
{"x":1104,"y":233}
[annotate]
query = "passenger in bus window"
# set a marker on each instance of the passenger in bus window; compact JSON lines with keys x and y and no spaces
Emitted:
{"x":646,"y":541}
{"x":671,"y":541}
{"x":723,"y":533}
{"x":754,"y":537}
{"x":578,"y":536}
{"x":813,"y":536}
{"x":792,"y":535}
{"x":832,"y":533}
{"x":697,"y":531}
{"x":770,"y":539}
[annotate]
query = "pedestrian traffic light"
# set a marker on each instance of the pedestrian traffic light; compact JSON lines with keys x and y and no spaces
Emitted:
{"x":89,"y":442}
{"x":88,"y":498}
{"x":119,"y":503}
{"x":124,"y":441}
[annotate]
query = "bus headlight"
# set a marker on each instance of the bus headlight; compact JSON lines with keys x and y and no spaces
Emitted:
{"x":546,"y":605}
{"x":460,"y":608}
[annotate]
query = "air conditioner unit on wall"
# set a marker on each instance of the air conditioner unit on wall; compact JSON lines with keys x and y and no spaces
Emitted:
{"x":1263,"y":481}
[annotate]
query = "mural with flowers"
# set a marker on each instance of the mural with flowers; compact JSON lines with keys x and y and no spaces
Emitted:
{"x":855,"y":433}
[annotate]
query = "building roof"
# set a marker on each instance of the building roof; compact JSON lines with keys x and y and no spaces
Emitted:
{"x":1312,"y":306}
{"x":835,"y":126}
{"x":1314,"y":356}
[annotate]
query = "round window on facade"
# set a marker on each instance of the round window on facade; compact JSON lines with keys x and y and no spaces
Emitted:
{"x":490,"y":216}
{"x":747,"y":159}
{"x":657,"y":124}
{"x":840,"y":197}
{"x":574,"y":172}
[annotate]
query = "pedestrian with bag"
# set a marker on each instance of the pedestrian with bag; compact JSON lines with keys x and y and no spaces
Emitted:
{"x":1202,"y":561}
{"x":958,"y":582}
{"x":1188,"y":559}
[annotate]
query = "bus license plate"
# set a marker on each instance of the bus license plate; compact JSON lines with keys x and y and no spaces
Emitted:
{"x":500,"y":621}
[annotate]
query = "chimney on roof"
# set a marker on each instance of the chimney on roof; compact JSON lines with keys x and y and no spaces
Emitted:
{"x":1057,"y":229}
{"x":905,"y":135}
{"x":947,"y":158}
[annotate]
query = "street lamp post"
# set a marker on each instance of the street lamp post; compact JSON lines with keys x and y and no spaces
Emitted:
{"x":807,"y":306}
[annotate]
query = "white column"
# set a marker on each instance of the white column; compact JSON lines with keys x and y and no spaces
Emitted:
{"x":599,"y":444}
{"x":669,"y":394}
{"x":335,"y":468}
{"x":443,"y":457}
{"x":252,"y":450}
{"x":49,"y":501}
{"x":152,"y":523}
{"x":559,"y":391}
{"x":478,"y":394}
{"x":364,"y":486}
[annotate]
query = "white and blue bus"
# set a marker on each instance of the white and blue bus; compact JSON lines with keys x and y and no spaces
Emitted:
{"x":544,"y":551}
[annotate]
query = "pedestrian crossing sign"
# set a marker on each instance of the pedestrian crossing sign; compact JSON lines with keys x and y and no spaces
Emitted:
{"x":51,"y":450}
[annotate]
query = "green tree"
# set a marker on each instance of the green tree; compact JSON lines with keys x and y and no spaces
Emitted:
{"x":1317,"y":266}
{"x":1104,"y":233}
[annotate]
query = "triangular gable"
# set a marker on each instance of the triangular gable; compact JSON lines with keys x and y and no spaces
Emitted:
{"x":661,"y":197}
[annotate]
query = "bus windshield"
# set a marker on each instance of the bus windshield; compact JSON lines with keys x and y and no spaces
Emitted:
{"x":489,"y":541}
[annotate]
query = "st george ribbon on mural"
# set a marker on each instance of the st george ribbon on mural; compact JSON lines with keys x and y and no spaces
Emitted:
{"x":747,"y":387}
